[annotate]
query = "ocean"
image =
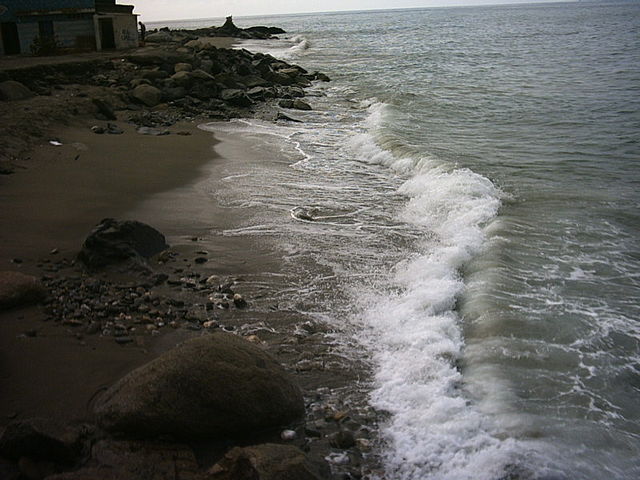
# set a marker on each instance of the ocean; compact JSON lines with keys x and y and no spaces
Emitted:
{"x":463,"y":205}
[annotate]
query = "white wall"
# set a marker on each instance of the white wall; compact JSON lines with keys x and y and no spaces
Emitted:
{"x":126,"y":31}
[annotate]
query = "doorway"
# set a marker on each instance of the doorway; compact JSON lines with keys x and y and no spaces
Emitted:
{"x":10,"y":38}
{"x":107,"y":37}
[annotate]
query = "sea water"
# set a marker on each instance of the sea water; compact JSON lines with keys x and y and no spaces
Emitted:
{"x":463,"y":202}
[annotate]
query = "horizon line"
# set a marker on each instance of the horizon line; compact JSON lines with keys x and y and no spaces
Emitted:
{"x":498,"y":4}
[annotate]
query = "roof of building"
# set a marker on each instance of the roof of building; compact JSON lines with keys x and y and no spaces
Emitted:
{"x":12,"y":10}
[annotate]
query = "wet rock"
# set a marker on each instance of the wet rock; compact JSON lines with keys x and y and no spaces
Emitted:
{"x":286,"y":103}
{"x":286,"y":118}
{"x":156,"y":132}
{"x":239,"y":301}
{"x":301,"y":105}
{"x":343,"y":439}
{"x":112,"y":242}
{"x":10,"y":91}
{"x":266,"y":462}
{"x":18,"y":289}
{"x":235,"y":97}
{"x":215,"y":387}
{"x":147,"y":94}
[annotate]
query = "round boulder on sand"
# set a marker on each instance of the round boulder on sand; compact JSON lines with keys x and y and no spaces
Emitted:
{"x":18,"y":289}
{"x":213,"y":387}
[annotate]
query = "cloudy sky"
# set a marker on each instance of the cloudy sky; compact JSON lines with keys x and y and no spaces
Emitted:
{"x":151,"y":10}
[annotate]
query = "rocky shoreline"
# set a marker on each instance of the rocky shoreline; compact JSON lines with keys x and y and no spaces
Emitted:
{"x":218,"y":405}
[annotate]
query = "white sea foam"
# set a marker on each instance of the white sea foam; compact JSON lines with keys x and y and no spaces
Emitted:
{"x":434,"y":431}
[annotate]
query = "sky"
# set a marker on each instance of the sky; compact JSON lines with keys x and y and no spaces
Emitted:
{"x":152,"y":10}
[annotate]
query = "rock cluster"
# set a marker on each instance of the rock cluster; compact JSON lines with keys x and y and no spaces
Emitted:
{"x":193,"y":79}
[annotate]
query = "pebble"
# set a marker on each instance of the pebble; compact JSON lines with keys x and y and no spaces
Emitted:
{"x":343,"y":440}
{"x":338,"y":459}
{"x":239,"y":301}
{"x":288,"y":435}
{"x":123,"y":340}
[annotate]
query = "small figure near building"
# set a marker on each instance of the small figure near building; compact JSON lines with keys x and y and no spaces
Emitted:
{"x":143,"y":32}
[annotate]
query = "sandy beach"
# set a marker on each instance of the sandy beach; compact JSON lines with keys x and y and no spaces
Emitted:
{"x":66,"y":180}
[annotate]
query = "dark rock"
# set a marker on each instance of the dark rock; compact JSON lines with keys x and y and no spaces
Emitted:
{"x":104,"y":109}
{"x":156,"y":132}
{"x":235,"y":97}
{"x":286,"y":118}
{"x":17,"y":289}
{"x":10,"y":90}
{"x":286,"y":103}
{"x":239,"y":301}
{"x":229,"y":26}
{"x":114,"y":129}
{"x":265,"y":30}
{"x":343,"y":439}
{"x":122,"y":460}
{"x":147,"y":94}
{"x":301,"y":105}
{"x":215,"y":387}
{"x":40,"y":439}
{"x":112,"y":242}
{"x":269,"y":461}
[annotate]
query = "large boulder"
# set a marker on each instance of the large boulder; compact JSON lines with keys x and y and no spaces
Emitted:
{"x":147,"y":94}
{"x":269,"y":461}
{"x":128,"y":460}
{"x":11,"y":90}
{"x":18,"y":289}
{"x":113,"y":242}
{"x":40,"y":439}
{"x":213,"y":387}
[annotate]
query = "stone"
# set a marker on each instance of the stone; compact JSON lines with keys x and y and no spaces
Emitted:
{"x":10,"y":91}
{"x":182,"y":78}
{"x":18,"y":289}
{"x":216,"y":386}
{"x":182,"y":67}
{"x":239,"y":301}
{"x":112,"y":242}
{"x":104,"y":109}
{"x":235,"y":97}
{"x":126,"y":460}
{"x":343,"y":439}
{"x":40,"y":439}
{"x":147,"y":94}
{"x":301,"y":105}
{"x":286,"y":118}
{"x":285,"y":103}
{"x":156,"y":132}
{"x":268,"y":461}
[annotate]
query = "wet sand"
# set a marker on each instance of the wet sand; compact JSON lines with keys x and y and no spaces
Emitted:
{"x":54,"y":204}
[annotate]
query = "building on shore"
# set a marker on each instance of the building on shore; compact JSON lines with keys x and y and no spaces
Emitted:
{"x":41,"y":26}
